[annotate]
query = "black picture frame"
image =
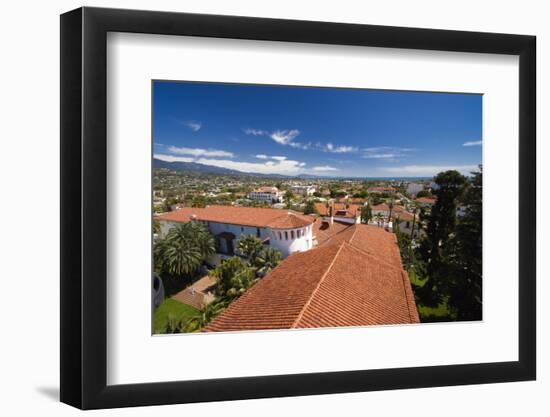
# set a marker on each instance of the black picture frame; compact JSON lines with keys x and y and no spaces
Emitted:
{"x":84,"y":207}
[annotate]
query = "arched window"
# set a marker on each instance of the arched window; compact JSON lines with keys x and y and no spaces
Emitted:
{"x":280,"y":236}
{"x":292,"y":234}
{"x":286,"y":235}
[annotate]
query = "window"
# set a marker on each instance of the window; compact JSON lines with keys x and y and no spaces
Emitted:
{"x":280,"y":236}
{"x":286,"y":235}
{"x":298,"y":233}
{"x":242,"y":229}
{"x":292,"y":234}
{"x":257,"y":231}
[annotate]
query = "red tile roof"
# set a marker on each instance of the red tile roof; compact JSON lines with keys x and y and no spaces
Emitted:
{"x":426,"y":200}
{"x":267,"y":190}
{"x":381,"y":207}
{"x":290,"y":221}
{"x":323,"y":231}
{"x":354,"y":278}
{"x":405,"y":216}
{"x":352,"y":210}
{"x":245,"y":216}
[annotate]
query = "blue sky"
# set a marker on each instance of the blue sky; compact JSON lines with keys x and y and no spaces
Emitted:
{"x":322,"y":131}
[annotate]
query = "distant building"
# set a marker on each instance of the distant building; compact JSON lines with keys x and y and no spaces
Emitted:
{"x":381,"y":209}
{"x":266,"y":195}
{"x":414,"y":188}
{"x":425,"y":202}
{"x":406,"y":221}
{"x":305,"y":190}
{"x":339,"y":212}
{"x":381,"y":190}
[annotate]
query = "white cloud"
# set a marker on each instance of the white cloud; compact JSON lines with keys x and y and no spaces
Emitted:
{"x":216,"y":153}
{"x":324,"y":168}
{"x":329,"y":147}
{"x":427,"y":170}
{"x":172,"y":158}
{"x":284,"y":137}
{"x":381,"y":156}
{"x":385,"y":152}
{"x":275,"y":157}
{"x":193,"y":125}
{"x":255,"y":132}
{"x":473,"y":143}
{"x":285,"y":167}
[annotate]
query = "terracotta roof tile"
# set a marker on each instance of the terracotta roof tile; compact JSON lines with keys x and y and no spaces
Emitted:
{"x":353,"y":210}
{"x":322,"y":231}
{"x":426,"y":200}
{"x":245,"y":216}
{"x":290,"y":221}
{"x":354,"y":278}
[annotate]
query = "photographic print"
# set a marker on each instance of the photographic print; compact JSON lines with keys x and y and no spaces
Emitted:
{"x":287,"y":207}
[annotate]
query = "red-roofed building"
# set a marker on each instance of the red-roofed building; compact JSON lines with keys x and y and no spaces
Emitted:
{"x":381,"y":190}
{"x":426,"y":201}
{"x":285,"y":230}
{"x":353,"y":278}
{"x":340,"y":212}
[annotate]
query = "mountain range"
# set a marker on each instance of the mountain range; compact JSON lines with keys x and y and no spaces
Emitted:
{"x":209,"y":169}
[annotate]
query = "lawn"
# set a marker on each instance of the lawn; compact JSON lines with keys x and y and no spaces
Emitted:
{"x":170,"y":306}
{"x":440,"y":313}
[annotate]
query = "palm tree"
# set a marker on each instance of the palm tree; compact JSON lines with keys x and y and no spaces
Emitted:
{"x":267,"y":259}
{"x":202,"y":318}
{"x":288,"y":198}
{"x":249,"y":246}
{"x":183,"y":249}
{"x":224,"y":274}
{"x":241,"y":282}
{"x":412,"y":228}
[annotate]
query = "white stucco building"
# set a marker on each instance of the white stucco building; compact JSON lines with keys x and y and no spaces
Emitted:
{"x":283,"y":230}
{"x":414,"y":188}
{"x":266,"y":195}
{"x":304,"y":190}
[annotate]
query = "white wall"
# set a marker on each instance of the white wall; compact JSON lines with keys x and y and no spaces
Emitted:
{"x":29,"y":173}
{"x":287,"y":245}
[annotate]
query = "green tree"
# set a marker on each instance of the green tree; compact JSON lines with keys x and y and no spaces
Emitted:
{"x":267,"y":259}
{"x":465,"y":296}
{"x":200,"y":320}
{"x":423,"y":193}
{"x":249,"y":246}
{"x":225,"y":272}
{"x":366,"y":214}
{"x":183,"y":249}
{"x":310,"y":207}
{"x":287,"y":198}
{"x":435,"y":249}
{"x":198,"y":201}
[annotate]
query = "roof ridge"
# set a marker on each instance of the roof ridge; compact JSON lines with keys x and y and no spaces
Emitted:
{"x":336,"y":234}
{"x":353,"y":235}
{"x":308,"y":302}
